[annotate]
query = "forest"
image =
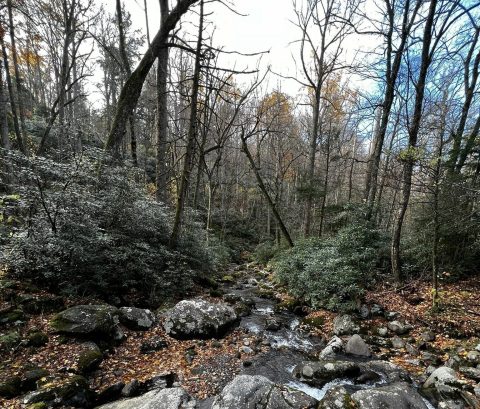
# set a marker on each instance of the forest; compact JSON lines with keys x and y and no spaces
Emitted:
{"x":186,"y":223}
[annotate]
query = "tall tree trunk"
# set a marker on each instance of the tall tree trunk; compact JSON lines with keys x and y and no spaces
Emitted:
{"x":412,"y":141}
{"x":18,"y":79}
{"x":4,"y":138}
{"x":162,"y":115}
{"x":267,"y":196}
{"x":325,"y":189}
{"x":133,"y":86}
{"x":192,"y":133}
{"x":13,"y":105}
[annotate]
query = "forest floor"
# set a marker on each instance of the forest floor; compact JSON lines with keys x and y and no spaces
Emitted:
{"x":456,"y":324}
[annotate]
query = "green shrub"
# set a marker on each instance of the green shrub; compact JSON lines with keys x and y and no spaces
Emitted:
{"x":88,"y":227}
{"x":333,"y":272}
{"x":265,"y":251}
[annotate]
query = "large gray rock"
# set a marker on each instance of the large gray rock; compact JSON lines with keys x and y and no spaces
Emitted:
{"x":357,"y":346}
{"x":319,"y":373}
{"x":334,"y":347}
{"x":254,"y":392}
{"x":136,"y":318}
{"x":336,"y":398}
{"x":399,"y":328}
{"x":344,"y":325}
{"x":442,"y":375}
{"x":395,"y":396}
{"x":87,"y":320}
{"x":171,"y":398}
{"x":198,"y":319}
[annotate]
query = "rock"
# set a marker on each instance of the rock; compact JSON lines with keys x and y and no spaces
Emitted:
{"x":430,"y":359}
{"x":428,"y":336}
{"x":242,"y":309}
{"x":131,"y":389}
{"x":383,"y":332}
{"x":30,"y":378}
{"x":136,"y":318}
{"x":377,"y":310}
{"x":473,"y":357}
{"x":246,"y":350}
{"x":10,"y":316}
{"x":364,"y":312}
{"x":73,"y":391}
{"x":160,"y":381}
{"x":392,"y":315}
{"x":394,"y":396}
{"x":37,"y":339}
{"x":391,"y":372}
{"x":476,"y":390}
{"x":171,"y":398}
{"x":357,"y":346}
{"x":398,"y":328}
{"x":11,"y":387}
{"x":344,"y":325}
{"x":472,"y":373}
{"x":442,"y":375}
{"x":198,"y":319}
{"x":272,"y":325}
{"x":110,"y":393}
{"x":411,"y":349}
{"x":87,"y":320}
{"x":336,"y":398}
{"x":10,"y":340}
{"x":153,"y":345}
{"x":319,"y":373}
{"x":379,"y":341}
{"x":398,"y":343}
{"x":90,"y":358}
{"x":334,"y":347}
{"x":477,"y":348}
{"x":251,"y":392}
{"x":454,"y":362}
{"x":232,"y":298}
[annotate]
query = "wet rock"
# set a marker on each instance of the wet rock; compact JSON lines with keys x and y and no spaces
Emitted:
{"x":344,"y":325}
{"x":336,"y":398}
{"x":171,"y":398}
{"x":389,"y":371}
{"x":319,"y":373}
{"x":11,"y":387}
{"x":398,"y":328}
{"x":198,"y":319}
{"x":87,"y":320}
{"x":357,"y":346}
{"x":272,"y":324}
{"x":394,"y":396}
{"x":136,"y":318}
{"x":90,"y":358}
{"x":153,"y":345}
{"x":334,"y":347}
{"x":398,"y":343}
{"x":250,"y":392}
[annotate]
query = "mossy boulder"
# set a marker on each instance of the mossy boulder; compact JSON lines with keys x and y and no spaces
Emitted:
{"x":31,"y":377}
{"x":11,"y":387}
{"x":10,"y":340}
{"x":137,"y":319}
{"x":12,"y":315}
{"x":37,"y":338}
{"x":87,"y":321}
{"x":90,"y":358}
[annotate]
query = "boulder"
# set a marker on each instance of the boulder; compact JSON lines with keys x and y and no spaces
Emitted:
{"x":252,"y":392}
{"x":31,"y":377}
{"x":442,"y":375}
{"x":336,"y":398}
{"x":90,"y":358}
{"x":398,"y":343}
{"x":318,"y":373}
{"x":198,"y":319}
{"x":334,"y":347}
{"x":395,"y":396}
{"x":398,"y":328}
{"x":87,"y":320}
{"x":137,"y":319}
{"x":357,"y":346}
{"x":344,"y":325}
{"x":171,"y":398}
{"x":473,"y":357}
{"x":469,"y":372}
{"x":37,"y":339}
{"x":11,"y":387}
{"x":389,"y":371}
{"x":382,"y":331}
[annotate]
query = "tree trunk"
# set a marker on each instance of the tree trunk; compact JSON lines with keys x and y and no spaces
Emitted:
{"x":4,"y":138}
{"x":192,"y":133}
{"x":133,"y":86}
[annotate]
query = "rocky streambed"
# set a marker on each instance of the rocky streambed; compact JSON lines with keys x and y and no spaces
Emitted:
{"x":285,"y":363}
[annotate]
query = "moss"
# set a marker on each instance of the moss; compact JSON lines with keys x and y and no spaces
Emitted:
{"x":228,"y":279}
{"x":12,"y":316}
{"x":71,"y":386}
{"x":10,"y":340}
{"x":89,"y":359}
{"x":10,"y":387}
{"x":37,"y":339}
{"x":38,"y":405}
